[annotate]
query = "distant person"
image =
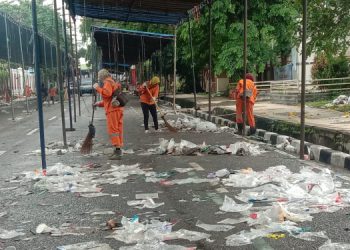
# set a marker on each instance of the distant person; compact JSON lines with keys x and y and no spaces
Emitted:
{"x":251,"y":94}
{"x":28,"y":91}
{"x":43,"y":92}
{"x":148,"y":93}
{"x":114,"y":112}
{"x":53,"y":93}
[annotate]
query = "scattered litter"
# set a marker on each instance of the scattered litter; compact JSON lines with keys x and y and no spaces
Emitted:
{"x":222,"y":173}
{"x":275,"y":236}
{"x":311,"y":236}
{"x":91,"y":245}
{"x":334,"y":246}
{"x":43,"y":228}
{"x":183,"y":170}
{"x":196,"y":124}
{"x":148,"y":203}
{"x":156,"y":246}
{"x":342,"y":99}
{"x":244,"y":148}
{"x":146,"y":196}
{"x":102,"y":213}
{"x":143,"y":233}
{"x":233,"y":221}
{"x":128,"y":151}
{"x":230,"y":205}
{"x":216,"y":228}
{"x":5,"y":234}
{"x":221,"y":190}
{"x":93,"y":195}
{"x":2,"y":214}
{"x":113,"y":224}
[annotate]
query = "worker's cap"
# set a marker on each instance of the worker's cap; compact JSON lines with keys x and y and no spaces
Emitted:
{"x":103,"y":74}
{"x":155,"y":80}
{"x":249,"y":76}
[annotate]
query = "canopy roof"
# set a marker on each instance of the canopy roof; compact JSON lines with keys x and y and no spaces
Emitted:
{"x":143,"y":11}
{"x":120,"y":46}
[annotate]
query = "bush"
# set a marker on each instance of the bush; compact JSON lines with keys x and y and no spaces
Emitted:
{"x":326,"y":68}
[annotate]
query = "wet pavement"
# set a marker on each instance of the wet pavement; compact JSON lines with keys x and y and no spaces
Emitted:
{"x":27,"y":206}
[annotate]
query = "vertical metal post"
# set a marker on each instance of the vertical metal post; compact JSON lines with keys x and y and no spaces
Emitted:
{"x":73,"y":71}
{"x":23,"y":73}
{"x":160,"y":62}
{"x":245,"y":65}
{"x":192,"y":66}
{"x":9,"y":69}
{"x":175,"y":59}
{"x":38,"y":86}
{"x":77,"y":64}
{"x":210,"y":58}
{"x":303,"y":81}
{"x":59,"y":75}
{"x":67,"y":68}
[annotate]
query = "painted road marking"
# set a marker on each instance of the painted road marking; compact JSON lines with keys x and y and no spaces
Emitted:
{"x":196,"y":166}
{"x":2,"y":152}
{"x":52,"y":118}
{"x":32,"y":132}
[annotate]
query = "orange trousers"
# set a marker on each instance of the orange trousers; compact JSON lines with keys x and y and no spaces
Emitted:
{"x":239,"y":112}
{"x":115,"y":127}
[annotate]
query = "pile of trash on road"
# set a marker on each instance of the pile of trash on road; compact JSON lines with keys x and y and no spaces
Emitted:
{"x":185,"y":147}
{"x":276,"y":200}
{"x":57,"y":148}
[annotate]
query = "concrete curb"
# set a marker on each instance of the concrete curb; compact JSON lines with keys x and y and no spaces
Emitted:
{"x":314,"y":152}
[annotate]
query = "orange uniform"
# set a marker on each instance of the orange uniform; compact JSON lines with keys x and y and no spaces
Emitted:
{"x":114,"y":115}
{"x":251,"y":93}
{"x":53,"y":91}
{"x":144,"y":95}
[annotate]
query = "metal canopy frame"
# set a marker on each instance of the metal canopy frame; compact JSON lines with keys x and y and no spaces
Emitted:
{"x":132,"y":40}
{"x":144,"y":11}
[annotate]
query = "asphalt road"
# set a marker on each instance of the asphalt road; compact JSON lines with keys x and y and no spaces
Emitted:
{"x":26,"y":210}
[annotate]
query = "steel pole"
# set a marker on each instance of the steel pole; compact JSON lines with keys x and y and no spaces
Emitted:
{"x":192,"y":66}
{"x":9,"y":69}
{"x":77,"y":64}
{"x":210,"y":58}
{"x":59,"y":75}
{"x":303,"y":81}
{"x":72,"y":67}
{"x":245,"y":65}
{"x":175,"y":59}
{"x":67,"y":68}
{"x":22,"y":59}
{"x":38,"y":86}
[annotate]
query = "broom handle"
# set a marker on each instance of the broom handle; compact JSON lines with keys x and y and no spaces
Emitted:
{"x":93,"y":109}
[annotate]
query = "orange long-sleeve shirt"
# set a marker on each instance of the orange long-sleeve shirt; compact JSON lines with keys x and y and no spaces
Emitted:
{"x":250,"y":86}
{"x":145,"y":96}
{"x":109,"y":86}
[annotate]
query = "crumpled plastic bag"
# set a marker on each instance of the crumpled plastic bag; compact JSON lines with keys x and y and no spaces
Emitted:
{"x":245,"y":148}
{"x":215,"y":228}
{"x":328,"y":245}
{"x":147,"y":203}
{"x":229,"y":205}
{"x":91,"y":245}
{"x":342,"y":99}
{"x":9,"y":234}
{"x":155,"y":246}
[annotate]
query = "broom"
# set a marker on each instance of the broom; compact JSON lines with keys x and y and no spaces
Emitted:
{"x":162,"y":115}
{"x":86,"y":148}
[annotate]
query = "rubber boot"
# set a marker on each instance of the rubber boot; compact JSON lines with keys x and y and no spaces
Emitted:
{"x":252,"y":130}
{"x":240,"y":128}
{"x":117,"y":155}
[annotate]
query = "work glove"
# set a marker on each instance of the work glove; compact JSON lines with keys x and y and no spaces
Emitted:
{"x":144,"y":84}
{"x":154,"y":99}
{"x":95,"y":86}
{"x":115,"y":103}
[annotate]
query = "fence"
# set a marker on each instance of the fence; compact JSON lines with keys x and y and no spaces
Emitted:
{"x":289,"y":91}
{"x":18,"y":48}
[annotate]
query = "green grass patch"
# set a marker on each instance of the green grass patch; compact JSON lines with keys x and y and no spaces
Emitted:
{"x":318,"y":104}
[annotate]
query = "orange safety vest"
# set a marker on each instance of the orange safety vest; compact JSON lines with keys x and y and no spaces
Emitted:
{"x":251,"y":90}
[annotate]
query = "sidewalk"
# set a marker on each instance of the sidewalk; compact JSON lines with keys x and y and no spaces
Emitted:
{"x":322,"y":118}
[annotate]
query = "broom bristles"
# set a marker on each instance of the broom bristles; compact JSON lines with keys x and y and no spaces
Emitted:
{"x":167,"y":124}
{"x":86,"y":148}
